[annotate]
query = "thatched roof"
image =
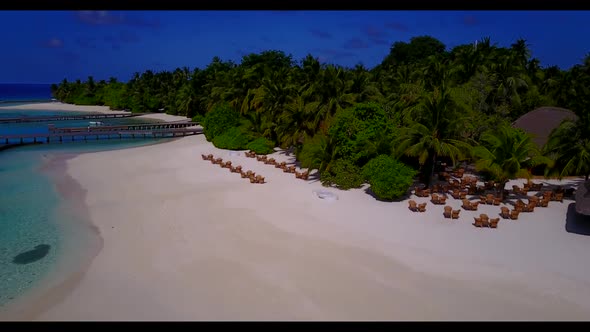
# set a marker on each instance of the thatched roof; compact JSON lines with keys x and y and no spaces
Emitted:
{"x":583,"y":198}
{"x":542,"y":121}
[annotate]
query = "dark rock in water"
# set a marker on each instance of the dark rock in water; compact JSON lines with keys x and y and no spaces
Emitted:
{"x":583,"y":198}
{"x":31,"y":256}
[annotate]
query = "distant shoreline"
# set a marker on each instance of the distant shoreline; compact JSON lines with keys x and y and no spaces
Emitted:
{"x":58,"y":106}
{"x":25,"y":101}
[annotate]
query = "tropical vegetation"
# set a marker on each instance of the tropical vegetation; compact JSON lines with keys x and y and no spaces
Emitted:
{"x":507,"y":153}
{"x":422,"y":105}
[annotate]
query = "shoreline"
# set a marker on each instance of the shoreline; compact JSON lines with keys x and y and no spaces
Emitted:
{"x":221,"y":249}
{"x":54,"y":286}
{"x":58,"y":106}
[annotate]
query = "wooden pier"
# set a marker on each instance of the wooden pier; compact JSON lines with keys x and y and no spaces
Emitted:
{"x":49,"y":118}
{"x":127,"y":127}
{"x":82,"y":136}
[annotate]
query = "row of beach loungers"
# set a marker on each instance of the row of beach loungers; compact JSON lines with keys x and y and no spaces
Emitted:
{"x":237,"y":169}
{"x":281,"y":165}
{"x":250,"y":174}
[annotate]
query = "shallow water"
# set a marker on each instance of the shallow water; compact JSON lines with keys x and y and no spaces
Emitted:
{"x":26,"y":201}
{"x":35,"y":220}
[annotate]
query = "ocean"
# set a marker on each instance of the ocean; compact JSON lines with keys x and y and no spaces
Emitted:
{"x":10,"y":93}
{"x":35,"y":223}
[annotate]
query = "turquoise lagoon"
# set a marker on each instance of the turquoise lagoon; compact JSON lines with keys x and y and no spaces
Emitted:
{"x":35,"y":224}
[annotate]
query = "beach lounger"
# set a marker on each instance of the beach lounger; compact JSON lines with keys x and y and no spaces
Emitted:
{"x":448,"y":212}
{"x":422,"y":207}
{"x":477,"y":222}
{"x":494,"y":222}
{"x":529,"y":207}
{"x":466,"y":205}
{"x":434,"y":198}
{"x":485,"y":220}
{"x":505,"y":212}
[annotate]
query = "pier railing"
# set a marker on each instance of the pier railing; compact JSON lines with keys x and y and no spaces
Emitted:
{"x":60,"y":137}
{"x":137,"y":126}
{"x":49,"y":118}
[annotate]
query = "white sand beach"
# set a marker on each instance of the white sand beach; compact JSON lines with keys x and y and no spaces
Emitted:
{"x":57,"y":106}
{"x":184,"y":239}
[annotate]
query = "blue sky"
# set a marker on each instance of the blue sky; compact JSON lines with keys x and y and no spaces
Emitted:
{"x":47,"y":46}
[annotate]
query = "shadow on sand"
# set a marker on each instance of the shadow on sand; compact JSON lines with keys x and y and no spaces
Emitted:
{"x":31,"y":256}
{"x":576,"y":223}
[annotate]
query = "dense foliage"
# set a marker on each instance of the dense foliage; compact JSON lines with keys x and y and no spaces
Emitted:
{"x":424,"y":103}
{"x":261,"y":145}
{"x":232,"y":139}
{"x":507,"y":153}
{"x":221,"y":118}
{"x":316,"y":153}
{"x":343,"y":174}
{"x":389,"y":178}
{"x":569,"y":147}
{"x":362,"y":132}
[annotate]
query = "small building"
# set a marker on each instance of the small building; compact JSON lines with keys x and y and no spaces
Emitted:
{"x":541,"y":121}
{"x":583,"y":198}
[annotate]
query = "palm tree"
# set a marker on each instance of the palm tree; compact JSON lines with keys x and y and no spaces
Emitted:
{"x":467,"y":61}
{"x":363,"y":86}
{"x":437,"y":72}
{"x":296,"y":122}
{"x":186,"y":100}
{"x":332,"y":90}
{"x":521,"y":52}
{"x":510,"y":79}
{"x":507,"y":153}
{"x":310,"y":69}
{"x":436,"y":132}
{"x":90,"y":87}
{"x":272,"y":97}
{"x":257,"y":123}
{"x":319,"y":153}
{"x":533,"y":69}
{"x":569,"y":147}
